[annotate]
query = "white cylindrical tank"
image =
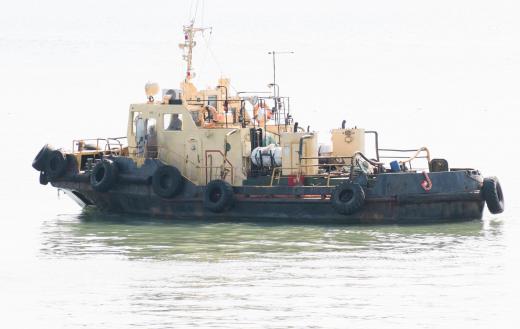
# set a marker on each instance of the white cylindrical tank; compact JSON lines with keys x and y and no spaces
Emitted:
{"x":267,"y":156}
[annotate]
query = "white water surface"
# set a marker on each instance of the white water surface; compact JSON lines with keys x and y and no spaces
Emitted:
{"x":443,"y":74}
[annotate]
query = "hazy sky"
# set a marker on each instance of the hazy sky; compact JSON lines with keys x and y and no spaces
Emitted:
{"x":437,"y":73}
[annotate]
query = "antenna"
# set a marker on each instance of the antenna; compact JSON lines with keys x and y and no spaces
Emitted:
{"x":189,"y":42}
{"x":274,"y":53}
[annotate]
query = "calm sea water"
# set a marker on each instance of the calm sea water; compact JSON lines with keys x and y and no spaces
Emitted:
{"x":445,"y":76}
{"x":66,"y":268}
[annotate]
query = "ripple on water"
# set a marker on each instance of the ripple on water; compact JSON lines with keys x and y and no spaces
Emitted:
{"x":201,"y":274}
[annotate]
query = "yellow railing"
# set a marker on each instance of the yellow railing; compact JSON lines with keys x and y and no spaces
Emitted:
{"x":110,"y":145}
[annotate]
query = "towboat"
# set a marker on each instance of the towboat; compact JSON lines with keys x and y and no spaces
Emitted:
{"x":208,"y":154}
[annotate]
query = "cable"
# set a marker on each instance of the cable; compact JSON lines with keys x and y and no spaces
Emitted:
{"x":203,"y":9}
{"x":196,"y":10}
{"x":190,"y":10}
{"x":206,"y":43}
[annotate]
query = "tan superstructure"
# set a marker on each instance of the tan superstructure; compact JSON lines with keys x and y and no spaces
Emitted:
{"x":210,"y":134}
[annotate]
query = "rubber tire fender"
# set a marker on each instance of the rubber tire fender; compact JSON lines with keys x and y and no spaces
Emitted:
{"x":40,"y":159}
{"x":56,"y":165}
{"x":44,"y":180}
{"x":492,"y":194}
{"x":104,"y":175}
{"x":167,"y":181}
{"x":348,"y":198}
{"x":218,"y":196}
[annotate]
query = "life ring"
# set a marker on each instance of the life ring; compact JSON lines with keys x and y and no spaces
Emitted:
{"x":218,"y":196}
{"x":40,"y":158}
{"x":212,"y":114}
{"x":56,"y":164}
{"x":260,"y":117}
{"x":167,"y":181}
{"x":104,"y":175}
{"x":347,"y":198}
{"x":492,"y":193}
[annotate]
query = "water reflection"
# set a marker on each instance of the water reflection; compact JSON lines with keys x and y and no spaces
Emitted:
{"x":94,"y":233}
{"x":207,"y":274}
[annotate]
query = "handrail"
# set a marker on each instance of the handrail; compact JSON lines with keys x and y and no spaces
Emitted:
{"x":163,"y":151}
{"x":223,"y":164}
{"x":416,"y":155}
{"x":372,"y":162}
{"x":107,"y":147}
{"x":118,"y":140}
{"x":328,"y":175}
{"x":300,"y":149}
{"x":376,"y":141}
{"x":326,"y":157}
{"x":229,"y":133}
{"x":399,"y":150}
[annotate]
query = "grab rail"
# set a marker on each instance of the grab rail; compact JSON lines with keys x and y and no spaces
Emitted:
{"x":222,"y":167}
{"x":416,"y":155}
{"x":330,"y":173}
{"x":101,"y":145}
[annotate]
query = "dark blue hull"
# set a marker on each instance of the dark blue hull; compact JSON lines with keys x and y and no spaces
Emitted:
{"x":390,"y":198}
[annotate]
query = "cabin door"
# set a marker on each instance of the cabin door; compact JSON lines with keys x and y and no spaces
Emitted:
{"x":193,"y":160}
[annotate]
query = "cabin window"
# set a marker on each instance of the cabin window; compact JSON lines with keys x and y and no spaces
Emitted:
{"x":233,"y":111}
{"x":151,"y":126}
{"x":151,"y":138}
{"x":195,"y":116}
{"x":212,"y":101}
{"x":172,"y":122}
{"x":135,"y":118}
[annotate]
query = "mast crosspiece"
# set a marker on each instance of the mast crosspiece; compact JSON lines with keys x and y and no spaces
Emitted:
{"x":189,"y":42}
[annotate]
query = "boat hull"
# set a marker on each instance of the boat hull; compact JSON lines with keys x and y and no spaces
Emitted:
{"x":405,"y":208}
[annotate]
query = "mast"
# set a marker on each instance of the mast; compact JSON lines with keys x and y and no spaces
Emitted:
{"x":189,"y":42}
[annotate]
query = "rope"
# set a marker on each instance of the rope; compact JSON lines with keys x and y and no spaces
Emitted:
{"x":192,"y":16}
{"x":203,"y":62}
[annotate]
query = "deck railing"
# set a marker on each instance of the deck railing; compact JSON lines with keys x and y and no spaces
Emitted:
{"x":109,"y":145}
{"x":406,"y":156}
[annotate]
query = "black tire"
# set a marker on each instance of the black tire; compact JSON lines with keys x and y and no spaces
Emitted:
{"x":492,"y":193}
{"x":347,"y":198}
{"x":56,"y":165}
{"x":218,"y":196}
{"x":44,"y":180}
{"x":104,"y":175}
{"x":167,"y":181}
{"x":40,"y":159}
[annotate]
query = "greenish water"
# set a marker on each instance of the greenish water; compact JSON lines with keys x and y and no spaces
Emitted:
{"x":155,"y":239}
{"x":88,"y":269}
